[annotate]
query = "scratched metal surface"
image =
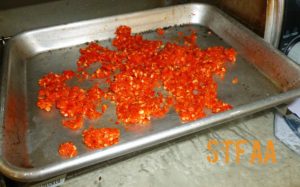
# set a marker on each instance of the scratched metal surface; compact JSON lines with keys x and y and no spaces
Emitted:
{"x":50,"y":134}
{"x":184,"y":162}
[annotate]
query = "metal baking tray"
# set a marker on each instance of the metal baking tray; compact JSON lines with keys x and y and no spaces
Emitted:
{"x":30,"y":137}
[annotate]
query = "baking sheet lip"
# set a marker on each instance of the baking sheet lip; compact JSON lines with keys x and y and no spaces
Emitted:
{"x":47,"y":171}
{"x":265,"y":44}
{"x":111,"y":17}
{"x":27,"y":37}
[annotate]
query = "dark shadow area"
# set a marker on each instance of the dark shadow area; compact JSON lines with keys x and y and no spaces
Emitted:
{"x":9,"y":4}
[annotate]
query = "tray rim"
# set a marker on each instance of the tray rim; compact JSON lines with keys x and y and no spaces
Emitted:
{"x":91,"y":158}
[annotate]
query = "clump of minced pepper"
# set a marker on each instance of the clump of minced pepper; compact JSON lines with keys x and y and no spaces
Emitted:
{"x":67,"y":150}
{"x":97,"y":138}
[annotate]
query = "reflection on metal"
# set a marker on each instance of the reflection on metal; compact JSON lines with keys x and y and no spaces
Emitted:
{"x":3,"y":40}
{"x":274,"y":17}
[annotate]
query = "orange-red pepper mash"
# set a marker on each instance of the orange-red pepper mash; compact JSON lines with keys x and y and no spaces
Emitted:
{"x":145,"y":79}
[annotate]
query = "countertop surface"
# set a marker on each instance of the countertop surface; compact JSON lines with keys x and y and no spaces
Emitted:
{"x":183,"y":162}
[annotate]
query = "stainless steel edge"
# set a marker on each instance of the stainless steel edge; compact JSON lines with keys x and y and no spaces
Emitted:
{"x":53,"y":13}
{"x":254,"y":47}
{"x":273,"y":25}
{"x":37,"y":41}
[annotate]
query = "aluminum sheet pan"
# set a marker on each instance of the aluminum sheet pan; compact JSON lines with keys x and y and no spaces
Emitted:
{"x":30,"y":137}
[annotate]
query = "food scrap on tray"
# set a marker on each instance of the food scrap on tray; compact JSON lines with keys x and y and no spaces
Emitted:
{"x":235,"y":80}
{"x":145,"y":79}
{"x":67,"y":150}
{"x":97,"y":138}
